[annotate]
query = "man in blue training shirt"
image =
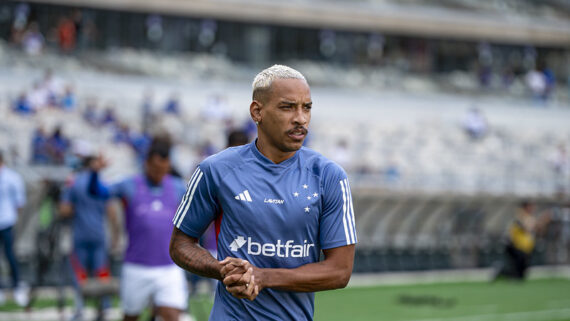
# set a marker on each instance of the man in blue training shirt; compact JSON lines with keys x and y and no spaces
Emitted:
{"x":276,"y":206}
{"x":89,"y":242}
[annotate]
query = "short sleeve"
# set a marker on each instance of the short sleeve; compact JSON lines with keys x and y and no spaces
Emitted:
{"x":199,"y":206}
{"x":337,"y":226}
{"x":124,"y":189}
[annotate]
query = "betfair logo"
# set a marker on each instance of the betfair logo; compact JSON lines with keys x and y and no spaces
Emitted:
{"x":237,"y":243}
{"x":279,"y":249}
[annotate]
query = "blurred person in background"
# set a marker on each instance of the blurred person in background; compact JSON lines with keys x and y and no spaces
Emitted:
{"x":475,"y":124}
{"x":57,"y":146}
{"x":537,"y":84}
{"x":66,"y":33}
{"x":40,"y":153}
{"x":151,"y":198}
{"x":38,"y":97}
{"x":33,"y":41}
{"x":89,"y":215}
{"x":68,"y":101}
{"x":109,"y":117}
{"x":122,"y":133}
{"x":521,"y":240}
{"x":53,"y":86}
{"x":172,"y":105}
{"x":22,"y":106}
{"x":12,"y":200}
{"x":89,"y":114}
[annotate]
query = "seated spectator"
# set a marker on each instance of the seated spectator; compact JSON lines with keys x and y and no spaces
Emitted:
{"x":22,"y":105}
{"x":108,"y":117}
{"x":475,"y":124}
{"x":33,"y":41}
{"x":68,"y":102}
{"x":90,"y":112}
{"x":172,"y":105}
{"x":40,"y":154}
{"x":58,"y":146}
{"x":122,"y":134}
{"x":38,"y":97}
{"x":53,"y":86}
{"x":392,"y":172}
{"x":536,"y":82}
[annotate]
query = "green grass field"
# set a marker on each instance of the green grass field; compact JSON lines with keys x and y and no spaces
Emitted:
{"x":545,"y":300}
{"x":534,"y":300}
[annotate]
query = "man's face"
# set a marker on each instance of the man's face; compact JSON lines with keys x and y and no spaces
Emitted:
{"x":285,"y":114}
{"x":156,"y":168}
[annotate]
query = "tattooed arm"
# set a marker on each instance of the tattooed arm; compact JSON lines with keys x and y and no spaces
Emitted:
{"x":187,"y":253}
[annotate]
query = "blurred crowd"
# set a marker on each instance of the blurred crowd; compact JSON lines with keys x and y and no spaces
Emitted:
{"x":71,"y":32}
{"x":384,"y":60}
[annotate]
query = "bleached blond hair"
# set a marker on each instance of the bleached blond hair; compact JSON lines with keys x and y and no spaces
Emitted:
{"x":263,"y":81}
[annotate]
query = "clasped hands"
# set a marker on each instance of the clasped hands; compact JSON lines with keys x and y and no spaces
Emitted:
{"x":239,"y":279}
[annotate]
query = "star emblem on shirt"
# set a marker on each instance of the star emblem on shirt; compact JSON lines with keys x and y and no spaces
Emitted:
{"x":295,"y":194}
{"x":307,"y":209}
{"x":305,"y":186}
{"x":308,"y":197}
{"x":315,"y":194}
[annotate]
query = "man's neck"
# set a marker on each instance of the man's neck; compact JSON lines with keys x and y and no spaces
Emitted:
{"x":272,"y":153}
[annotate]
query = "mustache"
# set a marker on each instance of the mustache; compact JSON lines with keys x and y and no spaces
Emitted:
{"x":304,"y":129}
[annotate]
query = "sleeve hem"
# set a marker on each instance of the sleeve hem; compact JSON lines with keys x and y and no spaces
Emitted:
{"x":333,"y":245}
{"x":189,"y":232}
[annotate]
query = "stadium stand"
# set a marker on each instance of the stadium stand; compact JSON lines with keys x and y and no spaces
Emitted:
{"x":427,"y":195}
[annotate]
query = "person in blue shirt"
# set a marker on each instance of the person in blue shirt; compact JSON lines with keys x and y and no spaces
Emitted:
{"x":88,"y":213}
{"x":276,"y":206}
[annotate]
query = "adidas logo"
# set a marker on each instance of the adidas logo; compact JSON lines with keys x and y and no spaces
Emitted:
{"x":243,"y":196}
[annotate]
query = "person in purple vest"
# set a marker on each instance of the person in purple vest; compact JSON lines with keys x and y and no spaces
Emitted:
{"x":150,"y":199}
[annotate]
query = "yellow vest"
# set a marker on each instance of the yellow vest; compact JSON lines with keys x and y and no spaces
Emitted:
{"x":521,"y":239}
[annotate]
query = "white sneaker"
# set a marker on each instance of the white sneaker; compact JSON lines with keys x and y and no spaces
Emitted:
{"x":21,"y":295}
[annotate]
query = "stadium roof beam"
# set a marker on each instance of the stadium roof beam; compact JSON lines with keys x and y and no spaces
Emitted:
{"x":359,"y":16}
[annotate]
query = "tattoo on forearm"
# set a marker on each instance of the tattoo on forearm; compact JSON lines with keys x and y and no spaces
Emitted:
{"x":196,"y":259}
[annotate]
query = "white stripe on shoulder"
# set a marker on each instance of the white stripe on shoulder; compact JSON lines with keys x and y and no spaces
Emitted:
{"x":351,"y":221}
{"x":186,"y":195}
{"x":344,"y":213}
{"x":183,"y":214}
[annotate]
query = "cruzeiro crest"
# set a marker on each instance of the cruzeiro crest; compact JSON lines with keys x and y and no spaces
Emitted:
{"x":305,"y":196}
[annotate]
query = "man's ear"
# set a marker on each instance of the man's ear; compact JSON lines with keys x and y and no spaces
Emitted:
{"x":255,"y":111}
